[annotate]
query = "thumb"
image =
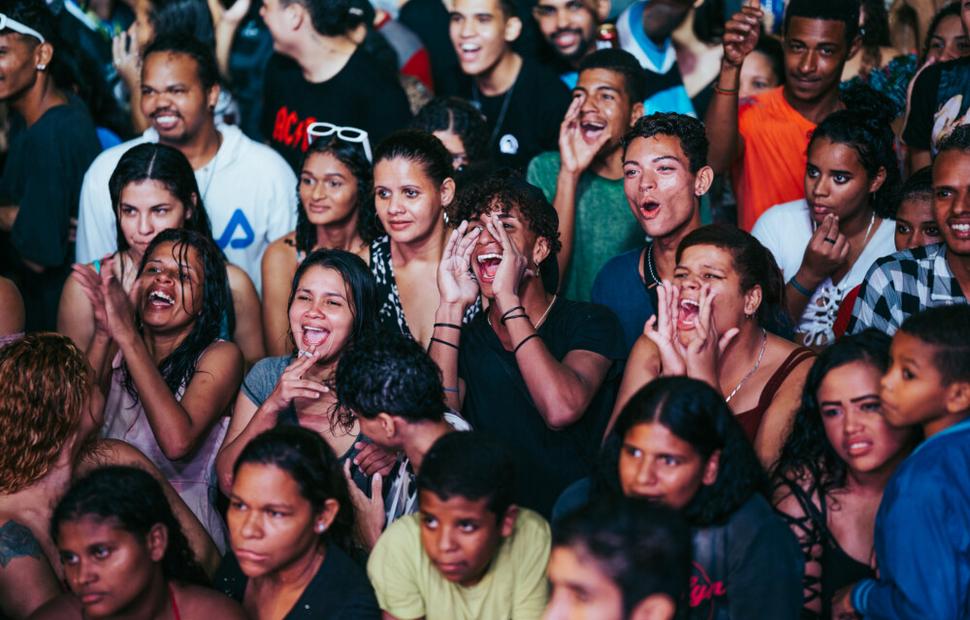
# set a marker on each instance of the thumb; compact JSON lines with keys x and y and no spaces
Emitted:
{"x":726,"y":339}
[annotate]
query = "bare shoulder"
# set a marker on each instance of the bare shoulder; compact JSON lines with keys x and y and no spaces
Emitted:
{"x":282,"y":249}
{"x":198,"y":603}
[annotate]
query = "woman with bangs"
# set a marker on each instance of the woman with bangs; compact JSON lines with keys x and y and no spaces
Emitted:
{"x":153,"y":188}
{"x":169,"y":377}
{"x":332,"y":303}
{"x":336,"y":211}
{"x":715,"y":322}
{"x":841,"y":453}
{"x":50,"y":414}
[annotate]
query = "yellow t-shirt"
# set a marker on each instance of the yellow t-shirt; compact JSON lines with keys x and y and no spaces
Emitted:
{"x":409,"y":586}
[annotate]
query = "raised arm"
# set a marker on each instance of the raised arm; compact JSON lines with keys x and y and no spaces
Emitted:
{"x":740,"y":37}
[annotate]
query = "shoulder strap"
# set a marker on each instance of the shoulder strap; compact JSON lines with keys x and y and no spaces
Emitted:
{"x":794,"y":358}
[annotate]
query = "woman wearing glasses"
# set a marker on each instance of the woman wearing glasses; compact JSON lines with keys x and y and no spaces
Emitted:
{"x":413,"y":184}
{"x":335,"y":213}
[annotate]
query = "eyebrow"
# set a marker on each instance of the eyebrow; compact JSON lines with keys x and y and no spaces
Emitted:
{"x":324,"y":293}
{"x":185,"y":266}
{"x":858,"y":399}
{"x":160,"y":204}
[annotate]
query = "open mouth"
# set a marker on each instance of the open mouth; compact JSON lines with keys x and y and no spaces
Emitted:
{"x":649,"y":208}
{"x":160,"y":299}
{"x":858,"y":447}
{"x":313,"y":336}
{"x":566,"y":39}
{"x":960,"y":229}
{"x":469,"y":51}
{"x":592,"y":130}
{"x":165,"y":121}
{"x":688,"y":312}
{"x":488,"y":264}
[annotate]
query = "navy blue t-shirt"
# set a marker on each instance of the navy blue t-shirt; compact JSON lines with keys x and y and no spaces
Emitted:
{"x":618,"y":287}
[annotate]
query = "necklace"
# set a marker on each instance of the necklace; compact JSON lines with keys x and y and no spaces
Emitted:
{"x":650,"y":269}
{"x":754,"y":369}
{"x":872,"y":220}
{"x":542,"y":318}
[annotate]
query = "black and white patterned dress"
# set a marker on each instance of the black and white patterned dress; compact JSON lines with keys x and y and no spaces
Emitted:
{"x":391,"y":312}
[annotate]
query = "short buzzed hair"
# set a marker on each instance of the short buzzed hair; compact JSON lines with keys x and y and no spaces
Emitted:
{"x":624,"y":63}
{"x":845,"y":11}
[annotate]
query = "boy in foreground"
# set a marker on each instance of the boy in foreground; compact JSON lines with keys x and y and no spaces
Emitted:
{"x":469,"y":552}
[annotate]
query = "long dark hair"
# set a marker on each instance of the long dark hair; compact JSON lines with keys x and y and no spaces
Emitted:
{"x":216,"y":317}
{"x":694,"y":412}
{"x":865,"y":127}
{"x":306,"y":458}
{"x":352,"y":156}
{"x":808,"y":454}
{"x":165,"y":165}
{"x":360,"y":283}
{"x":754,"y":263}
{"x":134,"y":501}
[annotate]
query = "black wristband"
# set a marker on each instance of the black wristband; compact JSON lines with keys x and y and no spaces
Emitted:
{"x":511,"y":310}
{"x":444,"y":342}
{"x":449,"y":325}
{"x":524,"y":340}
{"x":514,"y":316}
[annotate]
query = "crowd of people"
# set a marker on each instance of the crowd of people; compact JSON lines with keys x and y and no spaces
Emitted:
{"x":484,"y":309}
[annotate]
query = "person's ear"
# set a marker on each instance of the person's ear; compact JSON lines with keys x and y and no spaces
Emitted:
{"x":157,"y":542}
{"x":540,"y":251}
{"x":326,"y":516}
{"x":507,"y":523}
{"x":752,"y":300}
{"x":43,"y":54}
{"x":388,"y":424}
{"x":513,"y":28}
{"x":212,"y":97}
{"x":711,"y":468}
{"x":703,"y":180}
{"x":601,"y":10}
{"x":636,"y":111}
{"x":957,"y":397}
{"x":877,"y":180}
{"x":655,"y":607}
{"x":854,"y":47}
{"x":447,"y":191}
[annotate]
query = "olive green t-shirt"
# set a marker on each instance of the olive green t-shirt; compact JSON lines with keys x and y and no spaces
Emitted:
{"x":604,"y":226}
{"x":409,"y":586}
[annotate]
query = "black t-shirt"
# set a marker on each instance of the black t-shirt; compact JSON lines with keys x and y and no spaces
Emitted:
{"x":339,"y":591}
{"x":941,"y":98}
{"x":360,"y":95}
{"x":45,"y":165}
{"x":497,"y":400}
{"x":528,"y":115}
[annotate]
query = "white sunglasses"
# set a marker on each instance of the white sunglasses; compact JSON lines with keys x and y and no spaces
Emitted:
{"x":348,"y":134}
{"x":8,"y":23}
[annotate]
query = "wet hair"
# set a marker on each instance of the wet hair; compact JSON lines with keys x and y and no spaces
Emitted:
{"x":695,"y":413}
{"x":132,"y":500}
{"x":502,"y":191}
{"x":165,"y":165}
{"x":387,"y":372}
{"x":772,"y":49}
{"x":947,"y":330}
{"x":642,"y":547}
{"x":419,"y":147}
{"x":949,"y":10}
{"x":919,"y":186}
{"x":311,"y":463}
{"x":360,"y":283}
{"x":471,"y":465}
{"x":754,"y":263}
{"x":189,"y":19}
{"x":46,"y":384}
{"x":459,"y":117}
{"x":216,"y":316}
{"x":331,"y":18}
{"x":687,"y":129}
{"x":957,"y":140}
{"x":807,"y":453}
{"x":351,"y":155}
{"x":865,"y":127}
{"x":177,"y":43}
{"x":845,"y":11}
{"x":621,"y":62}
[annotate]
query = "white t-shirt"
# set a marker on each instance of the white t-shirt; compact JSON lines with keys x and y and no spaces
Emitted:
{"x":248,"y":191}
{"x":785,"y":230}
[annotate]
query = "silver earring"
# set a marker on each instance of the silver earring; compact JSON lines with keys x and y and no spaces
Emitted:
{"x":41,"y":66}
{"x":320,"y":528}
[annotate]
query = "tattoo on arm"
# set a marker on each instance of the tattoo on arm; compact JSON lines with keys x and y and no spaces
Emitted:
{"x":17,"y":541}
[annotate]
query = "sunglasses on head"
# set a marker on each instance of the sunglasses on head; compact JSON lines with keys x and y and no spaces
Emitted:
{"x":348,"y":134}
{"x":8,"y":23}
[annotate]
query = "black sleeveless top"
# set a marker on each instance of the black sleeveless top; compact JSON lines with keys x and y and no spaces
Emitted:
{"x":839,"y":569}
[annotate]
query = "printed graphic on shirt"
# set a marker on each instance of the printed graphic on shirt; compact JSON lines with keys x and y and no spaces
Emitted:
{"x":228,"y":238}
{"x":706,"y":595}
{"x":290,"y":130}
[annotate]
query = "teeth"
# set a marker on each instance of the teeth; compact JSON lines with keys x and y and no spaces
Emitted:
{"x":308,"y":328}
{"x":160,"y":295}
{"x":960,"y":227}
{"x":484,"y":257}
{"x":689,"y":302}
{"x":469,"y":47}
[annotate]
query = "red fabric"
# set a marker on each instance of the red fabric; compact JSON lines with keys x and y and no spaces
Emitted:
{"x":845,"y":312}
{"x":419,"y":65}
